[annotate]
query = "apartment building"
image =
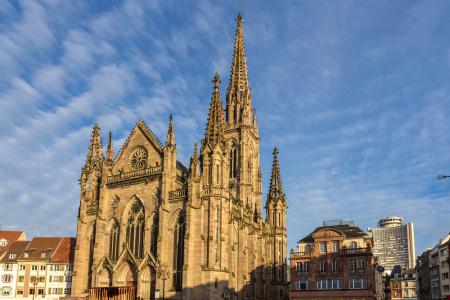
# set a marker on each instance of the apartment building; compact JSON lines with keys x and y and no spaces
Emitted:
{"x":9,"y":268}
{"x":60,"y":270}
{"x":434,"y":274}
{"x":402,"y":284}
{"x":393,"y":243}
{"x":7,"y":238}
{"x":38,"y":269}
{"x":423,"y":275}
{"x":335,"y":261}
{"x":443,"y":248}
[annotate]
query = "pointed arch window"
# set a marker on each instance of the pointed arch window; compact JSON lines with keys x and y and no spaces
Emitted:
{"x":250,"y":169}
{"x":155,"y":234}
{"x":233,"y":162}
{"x":114,"y":241}
{"x":179,"y":252}
{"x":135,"y":229}
{"x":217,"y":174}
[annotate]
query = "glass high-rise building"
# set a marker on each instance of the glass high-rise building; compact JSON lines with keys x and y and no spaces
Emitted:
{"x":393,"y":243}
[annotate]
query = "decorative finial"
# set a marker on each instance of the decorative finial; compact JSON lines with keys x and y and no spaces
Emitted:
{"x":275,"y":152}
{"x":195,"y":149}
{"x":216,"y":80}
{"x":110,"y":149}
{"x":240,"y":18}
{"x":170,"y":133}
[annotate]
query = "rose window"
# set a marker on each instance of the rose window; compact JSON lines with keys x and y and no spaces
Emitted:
{"x":139,"y":158}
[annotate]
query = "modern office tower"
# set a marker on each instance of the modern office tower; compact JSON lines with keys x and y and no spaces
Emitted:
{"x":393,"y":243}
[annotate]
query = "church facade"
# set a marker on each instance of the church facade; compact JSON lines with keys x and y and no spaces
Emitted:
{"x":185,"y":232}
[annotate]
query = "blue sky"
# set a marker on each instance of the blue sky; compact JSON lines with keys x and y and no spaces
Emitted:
{"x":355,"y":94}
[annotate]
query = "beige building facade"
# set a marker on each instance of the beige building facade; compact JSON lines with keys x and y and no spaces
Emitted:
{"x":185,"y":232}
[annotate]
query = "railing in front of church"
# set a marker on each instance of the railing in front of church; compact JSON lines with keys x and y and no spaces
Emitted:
{"x":132,"y":176}
{"x":115,"y":293}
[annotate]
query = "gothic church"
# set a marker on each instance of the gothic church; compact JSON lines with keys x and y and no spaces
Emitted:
{"x":149,"y":222}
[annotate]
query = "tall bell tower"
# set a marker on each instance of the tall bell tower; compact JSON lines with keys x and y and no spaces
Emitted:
{"x":241,"y":131}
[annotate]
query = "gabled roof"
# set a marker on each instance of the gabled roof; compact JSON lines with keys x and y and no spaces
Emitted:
{"x":347,"y":230}
{"x":11,"y":237}
{"x":39,"y":245}
{"x":65,"y":251}
{"x":16,"y":249}
{"x":147,"y":133}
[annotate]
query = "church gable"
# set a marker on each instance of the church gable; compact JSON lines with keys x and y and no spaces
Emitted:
{"x":141,"y":151}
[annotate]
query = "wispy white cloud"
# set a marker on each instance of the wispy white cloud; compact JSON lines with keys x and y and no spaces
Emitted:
{"x":357,"y":101}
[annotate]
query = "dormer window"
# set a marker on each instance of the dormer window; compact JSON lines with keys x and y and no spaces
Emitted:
{"x":12,"y":255}
{"x":3,"y":242}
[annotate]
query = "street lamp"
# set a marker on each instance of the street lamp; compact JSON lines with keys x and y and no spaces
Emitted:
{"x":441,"y":177}
{"x":35,"y":283}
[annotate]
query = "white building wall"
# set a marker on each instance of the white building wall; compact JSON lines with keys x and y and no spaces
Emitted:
{"x":8,"y":275}
{"x":59,"y":280}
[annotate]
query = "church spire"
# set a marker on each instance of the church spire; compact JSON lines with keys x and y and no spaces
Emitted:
{"x":276,"y":187}
{"x":110,"y":149}
{"x":193,"y":167}
{"x":170,"y":133}
{"x":238,"y":94}
{"x":94,"y":159}
{"x":215,"y":127}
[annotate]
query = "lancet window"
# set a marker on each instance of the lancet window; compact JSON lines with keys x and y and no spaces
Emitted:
{"x":135,"y":229}
{"x":233,"y":162}
{"x":155,"y":233}
{"x":114,"y":241}
{"x":179,"y":252}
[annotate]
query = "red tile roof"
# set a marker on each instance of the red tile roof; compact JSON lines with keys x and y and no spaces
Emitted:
{"x":65,"y":251}
{"x":17,"y":249}
{"x":11,"y":237}
{"x":41,"y":248}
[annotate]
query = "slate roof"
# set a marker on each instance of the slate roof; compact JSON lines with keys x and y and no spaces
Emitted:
{"x":347,"y":230}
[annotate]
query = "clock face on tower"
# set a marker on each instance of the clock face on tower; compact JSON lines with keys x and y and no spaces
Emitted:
{"x":139,"y":158}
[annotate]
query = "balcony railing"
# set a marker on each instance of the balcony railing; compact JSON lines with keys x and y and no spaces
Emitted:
{"x":217,"y":191}
{"x":342,"y":251}
{"x":123,"y":178}
{"x":178,"y":194}
{"x":302,"y":254}
{"x":348,"y":251}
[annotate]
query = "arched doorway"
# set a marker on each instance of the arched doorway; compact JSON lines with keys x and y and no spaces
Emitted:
{"x":103,"y":278}
{"x":126,"y":275}
{"x":147,"y":283}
